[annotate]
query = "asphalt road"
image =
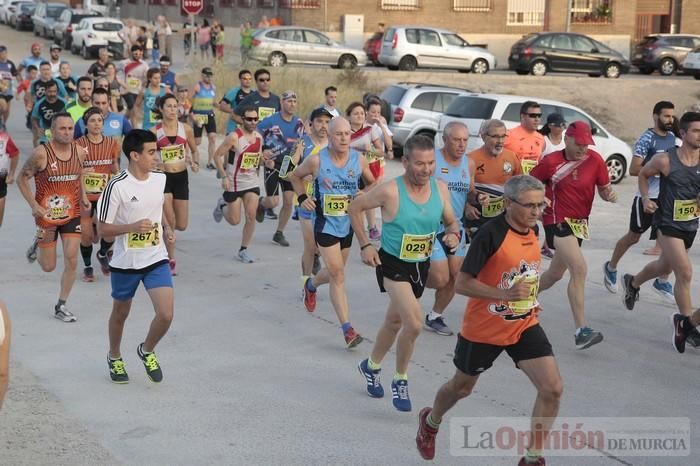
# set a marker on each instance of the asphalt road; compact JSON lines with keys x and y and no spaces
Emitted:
{"x":252,"y":378}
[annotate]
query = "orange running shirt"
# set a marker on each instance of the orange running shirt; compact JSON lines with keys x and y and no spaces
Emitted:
{"x":526,"y":145}
{"x":100,"y":157}
{"x":58,"y":188}
{"x":492,"y":172}
{"x":497,"y":256}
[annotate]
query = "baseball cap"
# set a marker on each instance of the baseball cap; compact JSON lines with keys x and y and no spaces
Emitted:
{"x":208,"y":71}
{"x":288,"y":95}
{"x":555,"y":119}
{"x":182,"y":89}
{"x":55,"y":47}
{"x":581,"y":133}
{"x":319,"y":112}
{"x":35,"y":44}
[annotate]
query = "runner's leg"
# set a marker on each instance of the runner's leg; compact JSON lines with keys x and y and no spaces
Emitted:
{"x":169,"y":212}
{"x":307,"y":258}
{"x":568,"y":256}
{"x":71,"y":245}
{"x":250,"y":205}
{"x":163,"y":303}
{"x":458,"y":387}
{"x":232,"y":211}
{"x":623,"y":244}
{"x":411,"y":321}
{"x":544,"y":374}
{"x":286,"y":210}
{"x":120,"y":311}
{"x":334,"y":274}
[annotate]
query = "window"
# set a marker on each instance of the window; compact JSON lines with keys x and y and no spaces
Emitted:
{"x":266,"y":3}
{"x":245,"y":3}
{"x":315,"y":38}
{"x":428,"y":37}
{"x":471,"y":5}
{"x":581,"y":44}
{"x":300,"y":4}
{"x":291,"y":35}
{"x":471,"y":107}
{"x":454,"y":40}
{"x":442,"y":101}
{"x":400,"y":4}
{"x":562,"y":41}
{"x":412,"y":36}
{"x":107,"y":27}
{"x":525,"y":13}
{"x":425,"y":101}
{"x":545,"y":42}
{"x":591,"y":11}
{"x":393,"y":94}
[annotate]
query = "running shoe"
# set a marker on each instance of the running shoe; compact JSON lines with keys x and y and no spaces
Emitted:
{"x":270,"y":213}
{"x":151,"y":363}
{"x":173,"y":267}
{"x":438,"y":326}
{"x":374,"y":385}
{"x":211,"y":166}
{"x":374,"y":234}
{"x":425,"y":438}
{"x":104,"y":262}
{"x":260,"y":213}
{"x":62,"y":313}
{"x":680,"y":332}
{"x":665,"y":290}
{"x":399,"y":395}
{"x":244,"y":257}
{"x":546,"y":252}
{"x":88,"y":275}
{"x":540,"y":462}
{"x":352,"y":338}
{"x":31,"y":252}
{"x":631,"y":293}
{"x":218,"y":213}
{"x":117,"y":370}
{"x":693,"y":338}
{"x":309,"y":297}
{"x":317,"y":264}
{"x":587,"y":337}
{"x":609,"y":278}
{"x":279,"y":238}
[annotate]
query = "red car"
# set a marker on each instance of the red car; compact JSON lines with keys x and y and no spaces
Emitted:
{"x":373,"y":46}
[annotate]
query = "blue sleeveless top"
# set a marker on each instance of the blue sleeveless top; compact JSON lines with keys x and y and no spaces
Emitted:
{"x":457,"y":181}
{"x":334,"y":189}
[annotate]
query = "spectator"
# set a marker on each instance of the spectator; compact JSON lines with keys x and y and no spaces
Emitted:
{"x":204,"y":39}
{"x":264,"y":22}
{"x":187,"y":36}
{"x":215,"y":28}
{"x":220,"y":45}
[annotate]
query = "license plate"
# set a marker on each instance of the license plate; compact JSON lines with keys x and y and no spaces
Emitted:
{"x":515,"y":56}
{"x":639,"y":55}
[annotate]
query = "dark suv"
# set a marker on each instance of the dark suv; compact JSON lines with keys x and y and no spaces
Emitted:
{"x":663,"y":52}
{"x":540,"y":53}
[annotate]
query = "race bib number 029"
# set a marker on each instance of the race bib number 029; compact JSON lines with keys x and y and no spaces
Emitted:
{"x":336,"y":205}
{"x":416,"y":247}
{"x":685,"y":210}
{"x":579,"y":227}
{"x":493,"y":208}
{"x":144,"y":240}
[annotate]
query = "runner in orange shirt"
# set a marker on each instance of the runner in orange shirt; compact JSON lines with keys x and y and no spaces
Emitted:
{"x":525,"y":140}
{"x":501,"y":277}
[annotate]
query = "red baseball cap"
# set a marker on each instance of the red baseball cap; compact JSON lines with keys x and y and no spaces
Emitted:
{"x":581,"y":133}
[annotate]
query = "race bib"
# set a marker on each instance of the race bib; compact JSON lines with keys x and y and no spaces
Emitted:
{"x":173,"y":154}
{"x":685,"y":210}
{"x":95,"y":183}
{"x":527,"y":165}
{"x":493,"y":208}
{"x":200,"y":119}
{"x":526,"y":305}
{"x":251,"y":160}
{"x":48,"y":134}
{"x":336,"y":205}
{"x":133,"y":85}
{"x":4,"y":85}
{"x":579,"y":227}
{"x":153,"y":117}
{"x":264,"y":112}
{"x":416,"y":247}
{"x":144,"y":240}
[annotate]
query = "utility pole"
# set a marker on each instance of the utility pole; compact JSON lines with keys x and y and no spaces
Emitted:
{"x":568,"y":15}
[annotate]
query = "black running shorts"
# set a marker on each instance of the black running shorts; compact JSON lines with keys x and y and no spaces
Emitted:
{"x":393,"y":268}
{"x":178,"y":185}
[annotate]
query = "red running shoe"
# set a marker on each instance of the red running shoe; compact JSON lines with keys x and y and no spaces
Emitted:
{"x":425,"y":438}
{"x":352,"y":338}
{"x":309,"y":297}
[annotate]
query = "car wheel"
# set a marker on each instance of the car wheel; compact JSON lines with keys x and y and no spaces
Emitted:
{"x":426,"y":133}
{"x":408,"y":63}
{"x":277,"y":59}
{"x":85,"y":52}
{"x":392,"y":68}
{"x":480,"y":66}
{"x":646,"y":70}
{"x":347,"y":62}
{"x":667,"y":67}
{"x":616,"y":168}
{"x":538,"y":68}
{"x":613,"y":70}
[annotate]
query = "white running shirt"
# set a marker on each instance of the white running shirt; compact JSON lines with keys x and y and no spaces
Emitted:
{"x":127,"y":200}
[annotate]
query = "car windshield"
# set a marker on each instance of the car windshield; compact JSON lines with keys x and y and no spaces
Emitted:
{"x":109,"y":27}
{"x":28,"y":7}
{"x":471,"y":107}
{"x":54,"y":11}
{"x":78,"y":18}
{"x":454,"y":39}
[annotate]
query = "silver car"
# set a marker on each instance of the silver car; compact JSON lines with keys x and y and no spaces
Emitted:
{"x":410,"y":47}
{"x":280,"y":45}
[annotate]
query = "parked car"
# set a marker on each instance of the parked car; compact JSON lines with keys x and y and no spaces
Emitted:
{"x":280,"y":45}
{"x":373,"y":46}
{"x":93,"y":33}
{"x":7,"y":9}
{"x":663,"y":52}
{"x":691,"y":65}
{"x":416,"y":109}
{"x":474,"y":108}
{"x":540,"y":53}
{"x":63,"y":27}
{"x":45,"y":16}
{"x":410,"y":47}
{"x":21,"y":19}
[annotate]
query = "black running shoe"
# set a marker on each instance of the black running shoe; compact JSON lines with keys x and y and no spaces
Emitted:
{"x":693,"y":338}
{"x":117,"y":370}
{"x":31,"y":252}
{"x":631,"y":295}
{"x":680,"y":332}
{"x":151,"y":363}
{"x":104,"y":262}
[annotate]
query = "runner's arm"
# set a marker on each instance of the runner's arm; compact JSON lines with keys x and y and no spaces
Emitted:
{"x":35,"y":163}
{"x":189,"y":134}
{"x":378,"y":197}
{"x":308,"y":167}
{"x":14,"y":154}
{"x":658,"y":165}
{"x":367,"y":176}
{"x":221,"y":151}
{"x":452,"y":224}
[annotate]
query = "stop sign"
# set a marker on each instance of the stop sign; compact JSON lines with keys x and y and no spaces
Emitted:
{"x":192,"y":7}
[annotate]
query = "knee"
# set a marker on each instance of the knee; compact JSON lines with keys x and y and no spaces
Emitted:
{"x":48,"y":267}
{"x":412,"y":326}
{"x":393,"y":324}
{"x":578,"y":270}
{"x":459,"y":390}
{"x":552,"y":393}
{"x":250,"y":218}
{"x":337,"y":275}
{"x":181,"y":225}
{"x":683,"y":274}
{"x":633,"y":238}
{"x":441,"y":279}
{"x":166,"y":315}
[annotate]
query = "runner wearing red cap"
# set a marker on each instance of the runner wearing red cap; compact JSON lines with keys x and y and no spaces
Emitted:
{"x":571,"y":176}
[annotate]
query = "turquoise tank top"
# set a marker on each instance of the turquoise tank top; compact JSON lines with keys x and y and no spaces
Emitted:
{"x":150,"y":119}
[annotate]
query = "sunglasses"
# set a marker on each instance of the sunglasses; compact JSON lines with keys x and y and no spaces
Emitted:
{"x":251,"y":119}
{"x":263,"y":80}
{"x":559,"y":125}
{"x":534,"y":115}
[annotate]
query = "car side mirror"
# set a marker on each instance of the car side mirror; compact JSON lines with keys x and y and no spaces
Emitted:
{"x":595,"y":50}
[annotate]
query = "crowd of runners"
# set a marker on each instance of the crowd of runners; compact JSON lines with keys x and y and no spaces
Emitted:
{"x":114,"y":149}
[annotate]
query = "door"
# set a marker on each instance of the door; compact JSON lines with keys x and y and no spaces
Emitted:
{"x":561,"y":54}
{"x":588,"y":56}
{"x":317,"y":48}
{"x":429,"y":52}
{"x":289,"y":41}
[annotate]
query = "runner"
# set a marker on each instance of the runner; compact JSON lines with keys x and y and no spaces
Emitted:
{"x":336,"y":171}
{"x":242,"y":151}
{"x":452,"y":167}
{"x":571,"y":176}
{"x":262,"y":99}
{"x":5,"y":337}
{"x":70,"y":83}
{"x":173,"y":140}
{"x":149,"y":98}
{"x":131,"y":211}
{"x":412,"y":207}
{"x":652,"y":141}
{"x":499,"y":275}
{"x":202,"y":114}
{"x":56,"y":167}
{"x":676,"y":218}
{"x":281,"y":133}
{"x":9,"y":157}
{"x":167,"y":76}
{"x":235,"y":95}
{"x":34,"y":59}
{"x":331,"y":98}
{"x":55,"y":58}
{"x":78,"y":107}
{"x":115,"y":87}
{"x":184,"y":106}
{"x":44,"y":111}
{"x":490,"y":167}
{"x":115,"y":124}
{"x":8,"y":74}
{"x":38,"y":90}
{"x":553,"y":132}
{"x":100,"y":164}
{"x":99,"y":68}
{"x":135,"y":70}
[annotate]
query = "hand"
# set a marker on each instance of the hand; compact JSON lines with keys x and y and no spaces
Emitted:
{"x":10,"y":178}
{"x":194,"y":166}
{"x":308,"y":204}
{"x":270,"y":164}
{"x":225,"y":184}
{"x":518,"y":291}
{"x":608,"y":194}
{"x":482,"y":199}
{"x":472,"y":213}
{"x":451,"y":240}
{"x":612,"y":196}
{"x":370,"y":256}
{"x":267,"y":155}
{"x":85,"y":204}
{"x":649,"y":206}
{"x":169,"y":235}
{"x":142,"y":226}
{"x":38,"y":211}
